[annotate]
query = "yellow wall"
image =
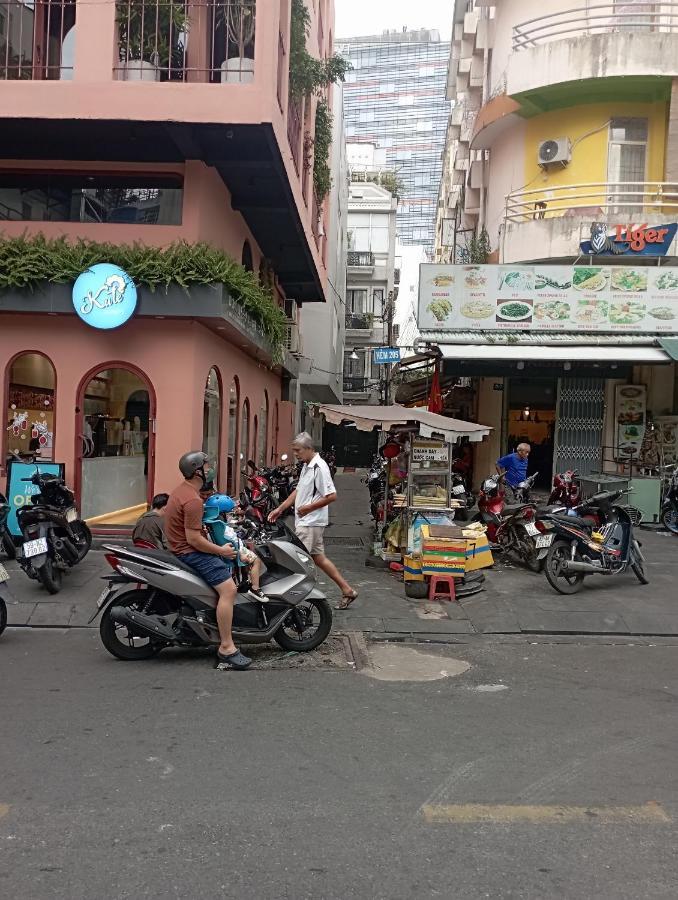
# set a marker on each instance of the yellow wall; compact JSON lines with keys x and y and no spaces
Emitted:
{"x":589,"y":156}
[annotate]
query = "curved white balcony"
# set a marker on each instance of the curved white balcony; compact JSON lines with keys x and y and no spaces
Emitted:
{"x":589,"y":45}
{"x":602,"y":18}
{"x":549,"y":224}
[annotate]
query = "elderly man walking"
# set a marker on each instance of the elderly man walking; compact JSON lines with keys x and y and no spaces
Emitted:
{"x":314,"y":493}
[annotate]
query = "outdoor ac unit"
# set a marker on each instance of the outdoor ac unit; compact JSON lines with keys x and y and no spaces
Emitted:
{"x":554,"y":151}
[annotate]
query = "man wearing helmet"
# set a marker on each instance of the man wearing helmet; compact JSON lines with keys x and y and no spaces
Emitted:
{"x":214,"y":563}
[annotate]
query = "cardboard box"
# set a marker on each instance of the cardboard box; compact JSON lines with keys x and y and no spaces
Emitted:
{"x":478,"y":553}
{"x":412,"y":568}
{"x":442,"y":555}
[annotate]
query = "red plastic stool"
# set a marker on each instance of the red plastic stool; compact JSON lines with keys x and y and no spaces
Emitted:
{"x":434,"y":593}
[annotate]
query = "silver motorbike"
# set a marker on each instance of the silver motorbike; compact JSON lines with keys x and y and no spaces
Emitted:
{"x":153,"y":600}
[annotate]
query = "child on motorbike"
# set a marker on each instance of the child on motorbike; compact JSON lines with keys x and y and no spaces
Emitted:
{"x":221,"y":533}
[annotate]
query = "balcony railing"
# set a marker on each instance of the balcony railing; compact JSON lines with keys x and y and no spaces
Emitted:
{"x":356,"y":384}
{"x":594,"y":200}
{"x":174,"y":40}
{"x":37,"y":40}
{"x":359,"y":321}
{"x":360,"y":259}
{"x":603,"y":18}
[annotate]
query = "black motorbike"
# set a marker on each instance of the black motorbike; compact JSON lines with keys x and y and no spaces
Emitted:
{"x":54,"y":536}
{"x":669,"y":513}
{"x":4,"y":578}
{"x":6,"y":539}
{"x":576,"y":550}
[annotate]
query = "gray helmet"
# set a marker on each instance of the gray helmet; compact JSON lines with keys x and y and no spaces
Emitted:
{"x":190,"y":463}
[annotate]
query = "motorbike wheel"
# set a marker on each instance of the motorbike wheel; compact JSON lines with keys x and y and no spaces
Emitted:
{"x":638,"y":564}
{"x":669,"y":519}
{"x":559,"y":581}
{"x":50,"y":576}
{"x":314,"y":616}
{"x":81,"y":530}
{"x":8,"y":545}
{"x":117,"y":638}
{"x":3,"y":615}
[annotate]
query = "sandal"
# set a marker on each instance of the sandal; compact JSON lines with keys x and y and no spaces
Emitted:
{"x":235,"y":660}
{"x":346,"y":600}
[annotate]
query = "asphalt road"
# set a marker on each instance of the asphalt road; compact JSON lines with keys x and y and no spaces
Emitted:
{"x":543,"y":771}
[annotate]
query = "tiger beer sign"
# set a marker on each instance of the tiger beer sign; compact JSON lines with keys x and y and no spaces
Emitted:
{"x":629,"y":240}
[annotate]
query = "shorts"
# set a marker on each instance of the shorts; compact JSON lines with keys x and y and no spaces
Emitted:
{"x":212,"y":568}
{"x":311,"y":536}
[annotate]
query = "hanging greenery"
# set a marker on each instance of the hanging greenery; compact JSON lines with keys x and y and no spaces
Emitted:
{"x":322,"y":144}
{"x":389,"y":180}
{"x":478,"y":249}
{"x":27,"y":261}
{"x":309,"y":75}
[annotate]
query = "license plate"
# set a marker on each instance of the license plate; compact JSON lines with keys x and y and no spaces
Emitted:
{"x":458,"y":489}
{"x":71,"y":514}
{"x":4,"y":574}
{"x":544,"y":540}
{"x":531,"y":528}
{"x":103,"y":596}
{"x":34,"y":548}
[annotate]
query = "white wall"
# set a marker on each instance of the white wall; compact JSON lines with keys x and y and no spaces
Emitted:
{"x":506,"y":173}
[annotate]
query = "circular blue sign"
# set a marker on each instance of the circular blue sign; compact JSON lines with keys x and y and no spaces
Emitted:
{"x":104,"y":296}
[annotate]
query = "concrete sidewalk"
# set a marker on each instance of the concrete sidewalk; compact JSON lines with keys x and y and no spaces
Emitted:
{"x":514,"y":601}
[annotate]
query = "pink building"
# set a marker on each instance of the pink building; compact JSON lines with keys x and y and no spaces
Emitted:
{"x":154,"y":122}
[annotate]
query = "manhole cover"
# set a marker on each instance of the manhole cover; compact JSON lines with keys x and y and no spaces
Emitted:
{"x":336,"y":540}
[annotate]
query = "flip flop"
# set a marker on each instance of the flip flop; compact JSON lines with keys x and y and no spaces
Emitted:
{"x":346,"y":600}
{"x":236,"y":660}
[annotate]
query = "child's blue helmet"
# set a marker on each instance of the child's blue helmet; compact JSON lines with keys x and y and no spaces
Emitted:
{"x":216,"y":505}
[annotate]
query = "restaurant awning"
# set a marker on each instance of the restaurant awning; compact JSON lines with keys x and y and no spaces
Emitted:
{"x":671,"y":346}
{"x":637,"y":355}
{"x":366,"y":418}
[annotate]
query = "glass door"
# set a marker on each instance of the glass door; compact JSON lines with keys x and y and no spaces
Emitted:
{"x":626,"y":164}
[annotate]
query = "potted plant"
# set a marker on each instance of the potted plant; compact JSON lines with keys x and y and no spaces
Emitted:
{"x":237,"y":19}
{"x":150,"y":38}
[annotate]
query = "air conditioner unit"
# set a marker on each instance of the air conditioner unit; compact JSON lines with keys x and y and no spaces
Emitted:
{"x":554,"y":151}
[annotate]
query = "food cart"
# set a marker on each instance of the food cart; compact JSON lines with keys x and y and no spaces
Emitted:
{"x":420,"y":473}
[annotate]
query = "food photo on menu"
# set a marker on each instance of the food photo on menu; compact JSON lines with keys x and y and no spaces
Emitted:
{"x":515,"y":280}
{"x":514,"y":311}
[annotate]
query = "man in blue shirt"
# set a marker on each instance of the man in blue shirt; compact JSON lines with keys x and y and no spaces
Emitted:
{"x":515,"y":465}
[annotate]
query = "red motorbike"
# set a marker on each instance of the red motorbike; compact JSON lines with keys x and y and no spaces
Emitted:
{"x":257,"y":497}
{"x":566,"y":490}
{"x":510,"y":527}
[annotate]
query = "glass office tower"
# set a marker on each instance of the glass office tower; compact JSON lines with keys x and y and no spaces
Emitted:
{"x":395,"y":97}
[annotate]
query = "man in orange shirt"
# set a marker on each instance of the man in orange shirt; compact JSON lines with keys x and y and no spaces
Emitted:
{"x":213,"y":563}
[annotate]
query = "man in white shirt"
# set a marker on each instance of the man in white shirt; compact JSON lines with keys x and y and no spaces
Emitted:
{"x":314,"y":493}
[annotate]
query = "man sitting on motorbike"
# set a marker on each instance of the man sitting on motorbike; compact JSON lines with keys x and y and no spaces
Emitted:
{"x":514,"y":465}
{"x":214,"y":564}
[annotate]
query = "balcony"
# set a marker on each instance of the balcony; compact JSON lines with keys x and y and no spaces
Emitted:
{"x":359,"y":321}
{"x":592,"y":46}
{"x":356,"y":384}
{"x":162,"y":82}
{"x":556,"y":220}
{"x":360,"y":259}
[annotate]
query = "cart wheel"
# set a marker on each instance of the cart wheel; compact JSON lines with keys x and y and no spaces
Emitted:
{"x":416,"y":590}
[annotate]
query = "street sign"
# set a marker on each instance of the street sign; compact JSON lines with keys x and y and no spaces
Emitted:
{"x":383,"y":355}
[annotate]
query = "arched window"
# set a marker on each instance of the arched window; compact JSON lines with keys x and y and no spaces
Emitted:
{"x":246,"y":259}
{"x":244,"y":433}
{"x":255,"y":438}
{"x":274,"y":436}
{"x":30,"y":407}
{"x":211,"y":420}
{"x":232,"y":470}
{"x":263,"y":432}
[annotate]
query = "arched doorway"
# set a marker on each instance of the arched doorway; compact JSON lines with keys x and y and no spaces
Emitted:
{"x":116,"y":411}
{"x":263,"y":431}
{"x":211,"y":421}
{"x":244,"y":433}
{"x":30,"y":407}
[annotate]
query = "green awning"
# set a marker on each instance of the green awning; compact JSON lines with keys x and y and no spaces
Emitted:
{"x":671,"y":346}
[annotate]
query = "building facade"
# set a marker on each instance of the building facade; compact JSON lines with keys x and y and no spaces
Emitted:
{"x":563,"y":139}
{"x":394,"y":97}
{"x":370,"y":287}
{"x":123,"y":124}
{"x":322,"y":325}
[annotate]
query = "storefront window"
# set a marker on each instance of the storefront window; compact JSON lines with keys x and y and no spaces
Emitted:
{"x":211,"y":421}
{"x":263,"y":432}
{"x":30,"y":409}
{"x":244,"y":433}
{"x":232,"y":436}
{"x":115,"y":441}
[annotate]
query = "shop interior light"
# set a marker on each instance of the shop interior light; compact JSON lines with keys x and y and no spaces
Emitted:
{"x":520,"y":365}
{"x":354,"y":355}
{"x":567,"y":366}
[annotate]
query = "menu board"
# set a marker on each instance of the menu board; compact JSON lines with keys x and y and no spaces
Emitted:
{"x":631,"y":400}
{"x":548,"y":298}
